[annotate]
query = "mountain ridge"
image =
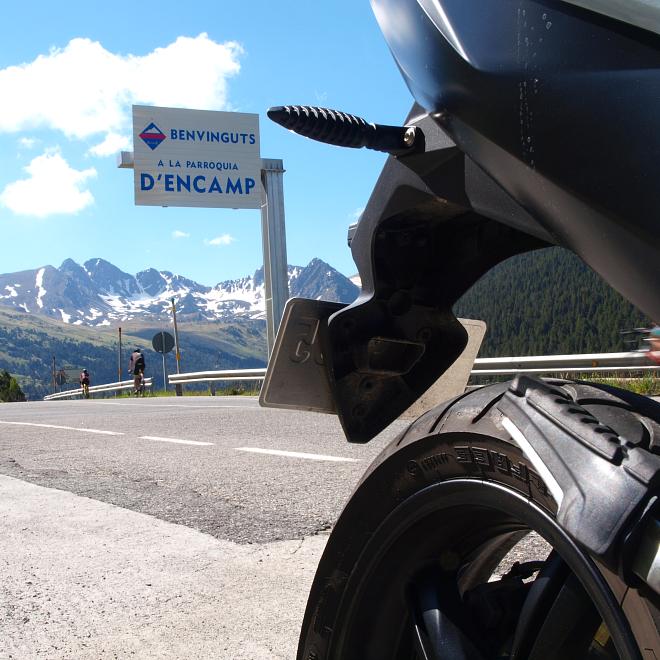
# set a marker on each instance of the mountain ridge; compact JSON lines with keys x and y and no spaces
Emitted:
{"x":98,"y":293}
{"x":544,"y":302}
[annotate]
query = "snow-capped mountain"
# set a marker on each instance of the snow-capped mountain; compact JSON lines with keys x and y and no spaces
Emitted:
{"x":100,"y":294}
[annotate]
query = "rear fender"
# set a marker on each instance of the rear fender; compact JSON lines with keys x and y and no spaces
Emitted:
{"x":430,"y":230}
{"x":421,"y":242}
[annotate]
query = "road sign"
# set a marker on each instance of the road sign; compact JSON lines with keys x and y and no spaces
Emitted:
{"x":197,"y":158}
{"x":163,"y":342}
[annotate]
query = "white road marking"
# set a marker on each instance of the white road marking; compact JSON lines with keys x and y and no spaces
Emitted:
{"x":66,"y":428}
{"x":176,"y":440}
{"x":299,"y":454}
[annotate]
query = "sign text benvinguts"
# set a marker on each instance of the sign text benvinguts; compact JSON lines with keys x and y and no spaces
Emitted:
{"x":196,"y":158}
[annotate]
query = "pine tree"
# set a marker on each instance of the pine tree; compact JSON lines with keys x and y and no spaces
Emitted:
{"x":545,"y":303}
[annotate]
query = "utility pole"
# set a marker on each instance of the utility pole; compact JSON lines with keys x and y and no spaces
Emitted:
{"x":53,"y":384}
{"x":177,"y":356}
{"x":119,"y":361}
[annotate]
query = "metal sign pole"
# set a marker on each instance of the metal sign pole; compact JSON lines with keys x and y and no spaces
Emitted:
{"x":162,"y":336}
{"x":119,"y":361}
{"x":273,"y":237}
{"x":177,"y":387}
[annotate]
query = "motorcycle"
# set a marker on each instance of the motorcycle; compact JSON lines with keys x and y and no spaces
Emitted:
{"x":534,"y":123}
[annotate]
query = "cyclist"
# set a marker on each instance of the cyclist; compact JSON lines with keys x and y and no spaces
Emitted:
{"x":136,"y":366}
{"x":84,"y":383}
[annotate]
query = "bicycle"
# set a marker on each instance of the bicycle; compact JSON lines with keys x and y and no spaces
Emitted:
{"x":84,"y":383}
{"x":138,"y":383}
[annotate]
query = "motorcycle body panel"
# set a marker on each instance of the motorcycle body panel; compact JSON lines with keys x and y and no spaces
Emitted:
{"x":539,"y":124}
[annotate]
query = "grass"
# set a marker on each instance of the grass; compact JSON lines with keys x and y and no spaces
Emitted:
{"x":221,"y":390}
{"x":648,"y":384}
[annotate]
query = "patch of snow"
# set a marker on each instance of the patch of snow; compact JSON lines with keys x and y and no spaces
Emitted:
{"x":241,"y":295}
{"x":24,"y":306}
{"x":65,"y":317}
{"x":39,"y":284}
{"x":12,"y":292}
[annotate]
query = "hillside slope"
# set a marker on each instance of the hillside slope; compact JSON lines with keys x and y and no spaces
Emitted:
{"x":548,"y":302}
{"x":29,"y":342}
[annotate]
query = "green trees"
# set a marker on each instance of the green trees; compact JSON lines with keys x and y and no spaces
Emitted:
{"x":548,"y":302}
{"x":10,"y":390}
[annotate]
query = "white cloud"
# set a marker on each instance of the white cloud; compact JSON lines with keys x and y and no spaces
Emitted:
{"x":53,"y":187}
{"x":27,"y":142}
{"x":177,"y":233}
{"x":224,"y":239}
{"x":84,"y":90}
{"x":112,"y":144}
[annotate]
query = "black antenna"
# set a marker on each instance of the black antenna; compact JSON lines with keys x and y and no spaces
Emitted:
{"x":344,"y":130}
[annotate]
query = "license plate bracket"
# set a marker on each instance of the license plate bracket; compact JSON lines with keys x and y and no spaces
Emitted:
{"x":296,"y":377}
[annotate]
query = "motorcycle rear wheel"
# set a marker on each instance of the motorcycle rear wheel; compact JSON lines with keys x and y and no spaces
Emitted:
{"x":406,"y":570}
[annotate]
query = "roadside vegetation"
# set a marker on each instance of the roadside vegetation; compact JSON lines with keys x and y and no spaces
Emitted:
{"x":10,"y":390}
{"x":648,"y":385}
{"x":220,"y":390}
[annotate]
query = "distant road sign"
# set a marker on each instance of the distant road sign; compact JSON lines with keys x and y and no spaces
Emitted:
{"x":198,"y":158}
{"x":163,"y":342}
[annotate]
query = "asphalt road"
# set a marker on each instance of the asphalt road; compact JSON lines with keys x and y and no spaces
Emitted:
{"x":165,"y":528}
{"x":135,"y":454}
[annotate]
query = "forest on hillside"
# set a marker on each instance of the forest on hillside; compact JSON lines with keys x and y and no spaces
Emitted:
{"x":548,"y":302}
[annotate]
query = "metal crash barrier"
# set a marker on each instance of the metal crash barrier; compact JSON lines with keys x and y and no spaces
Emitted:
{"x":499,"y":366}
{"x":110,"y":387}
{"x":547,"y":364}
{"x":228,"y":374}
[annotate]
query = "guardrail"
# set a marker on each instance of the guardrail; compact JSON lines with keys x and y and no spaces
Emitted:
{"x":227,"y":374}
{"x":109,"y":387}
{"x":548,"y":364}
{"x":499,"y":366}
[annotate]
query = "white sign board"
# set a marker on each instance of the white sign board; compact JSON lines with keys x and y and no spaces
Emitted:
{"x":196,"y":158}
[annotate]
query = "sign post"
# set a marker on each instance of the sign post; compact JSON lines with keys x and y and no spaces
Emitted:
{"x":163,"y":343}
{"x":177,"y":356}
{"x":208,"y":159}
{"x":273,"y":237}
{"x":196,"y":158}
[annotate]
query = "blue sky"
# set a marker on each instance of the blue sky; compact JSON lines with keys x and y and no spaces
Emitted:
{"x":70,"y":70}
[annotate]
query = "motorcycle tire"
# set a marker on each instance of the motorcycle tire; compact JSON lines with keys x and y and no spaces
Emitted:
{"x":408,"y":568}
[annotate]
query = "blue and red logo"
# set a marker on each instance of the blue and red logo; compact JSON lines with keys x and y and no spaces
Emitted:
{"x":152,"y":136}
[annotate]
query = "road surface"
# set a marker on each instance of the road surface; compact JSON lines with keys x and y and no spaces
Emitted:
{"x":165,"y":528}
